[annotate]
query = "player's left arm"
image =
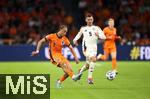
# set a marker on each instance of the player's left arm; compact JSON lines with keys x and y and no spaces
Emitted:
{"x":100,"y":34}
{"x":117,"y":37}
{"x":74,"y":54}
{"x":77,"y":37}
{"x":67,"y":43}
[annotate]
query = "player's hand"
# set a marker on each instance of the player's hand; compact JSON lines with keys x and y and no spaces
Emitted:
{"x":77,"y":60}
{"x":96,"y":33}
{"x":118,"y":38}
{"x":75,"y":43}
{"x":34,"y":53}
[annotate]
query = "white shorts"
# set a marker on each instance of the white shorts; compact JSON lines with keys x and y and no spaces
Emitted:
{"x":90,"y":52}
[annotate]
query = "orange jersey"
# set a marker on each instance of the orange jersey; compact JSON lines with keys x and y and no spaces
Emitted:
{"x":56,"y":43}
{"x":109,"y":43}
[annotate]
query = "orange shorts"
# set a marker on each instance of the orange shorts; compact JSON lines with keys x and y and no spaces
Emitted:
{"x":110,"y":50}
{"x":58,"y":59}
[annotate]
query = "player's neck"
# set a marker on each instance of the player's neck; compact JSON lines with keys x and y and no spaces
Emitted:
{"x":58,"y":35}
{"x":110,"y":27}
{"x":89,"y":25}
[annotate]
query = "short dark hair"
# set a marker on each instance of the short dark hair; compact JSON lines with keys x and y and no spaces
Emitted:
{"x":62,"y":26}
{"x":88,"y":15}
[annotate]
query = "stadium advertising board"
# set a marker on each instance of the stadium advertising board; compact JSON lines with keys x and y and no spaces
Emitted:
{"x":23,"y":52}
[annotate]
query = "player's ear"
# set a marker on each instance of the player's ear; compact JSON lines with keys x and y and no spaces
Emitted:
{"x":85,"y":19}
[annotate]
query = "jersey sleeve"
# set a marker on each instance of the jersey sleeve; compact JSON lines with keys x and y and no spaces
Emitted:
{"x":66,"y":41}
{"x":101,"y":33}
{"x":78,"y":35}
{"x":48,"y":37}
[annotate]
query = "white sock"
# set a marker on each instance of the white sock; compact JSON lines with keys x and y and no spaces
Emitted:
{"x":99,"y":56}
{"x":59,"y":81}
{"x":91,"y":69}
{"x":73,"y":76}
{"x":83,"y":68}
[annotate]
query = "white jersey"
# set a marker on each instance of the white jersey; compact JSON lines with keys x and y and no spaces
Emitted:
{"x":89,"y":37}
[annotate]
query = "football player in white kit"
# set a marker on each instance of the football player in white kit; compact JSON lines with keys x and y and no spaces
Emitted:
{"x":91,"y":34}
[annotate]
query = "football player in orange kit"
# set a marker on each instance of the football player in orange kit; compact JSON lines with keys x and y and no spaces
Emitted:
{"x":109,"y":44}
{"x":56,"y":43}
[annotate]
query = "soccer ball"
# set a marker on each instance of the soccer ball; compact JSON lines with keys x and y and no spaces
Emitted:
{"x":110,"y":75}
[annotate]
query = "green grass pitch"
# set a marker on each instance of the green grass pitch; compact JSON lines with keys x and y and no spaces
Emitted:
{"x":132,"y":82}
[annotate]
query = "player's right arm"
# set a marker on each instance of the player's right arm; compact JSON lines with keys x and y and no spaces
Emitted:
{"x":78,"y":37}
{"x":40,"y":43}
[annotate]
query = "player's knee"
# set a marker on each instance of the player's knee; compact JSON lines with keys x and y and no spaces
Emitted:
{"x":113,"y":58}
{"x":66,"y":75}
{"x":92,"y":59}
{"x":67,"y":66}
{"x":63,"y":65}
{"x":113,"y":54}
{"x":87,"y":66}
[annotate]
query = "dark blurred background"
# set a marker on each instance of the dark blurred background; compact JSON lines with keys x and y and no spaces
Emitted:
{"x":27,"y":21}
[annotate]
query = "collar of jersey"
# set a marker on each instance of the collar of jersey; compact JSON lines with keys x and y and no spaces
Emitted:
{"x":58,"y":36}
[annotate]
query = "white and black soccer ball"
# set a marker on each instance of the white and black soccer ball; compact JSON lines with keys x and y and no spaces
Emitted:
{"x":110,"y":75}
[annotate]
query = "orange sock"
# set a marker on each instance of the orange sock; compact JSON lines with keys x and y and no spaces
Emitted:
{"x":63,"y":78}
{"x":114,"y":63}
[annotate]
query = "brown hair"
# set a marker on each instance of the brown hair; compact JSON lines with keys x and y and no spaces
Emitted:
{"x":110,"y":19}
{"x":88,"y":15}
{"x":62,"y":26}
